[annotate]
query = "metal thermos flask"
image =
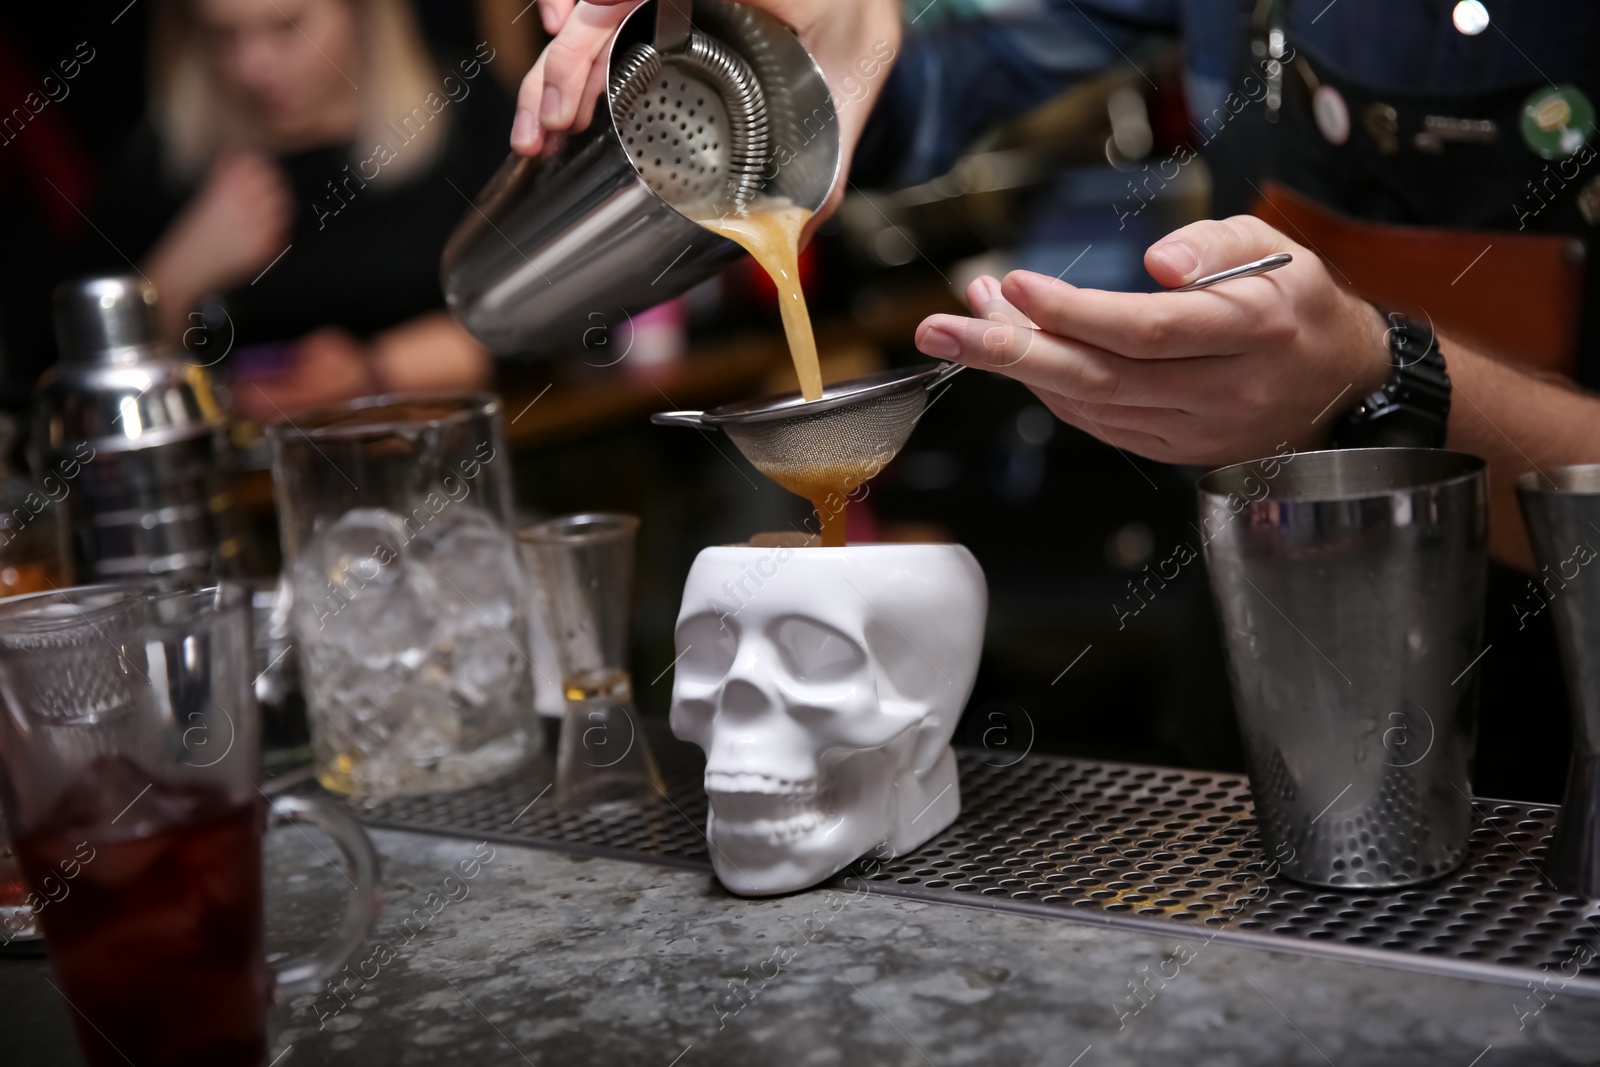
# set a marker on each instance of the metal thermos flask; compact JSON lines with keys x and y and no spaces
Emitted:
{"x":557,"y":248}
{"x":135,"y":440}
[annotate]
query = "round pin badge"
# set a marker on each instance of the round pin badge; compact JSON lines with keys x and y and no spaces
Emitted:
{"x":1555,"y":120}
{"x":1333,"y":117}
{"x":1471,"y":17}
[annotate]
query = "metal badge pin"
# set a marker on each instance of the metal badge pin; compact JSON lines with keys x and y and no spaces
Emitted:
{"x":1438,"y":130}
{"x":1383,"y":125}
{"x":1589,"y":201}
{"x":1332,"y":114}
{"x":1470,"y":17}
{"x":1554,"y":121}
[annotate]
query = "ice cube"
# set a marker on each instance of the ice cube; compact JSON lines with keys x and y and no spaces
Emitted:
{"x":472,"y":565}
{"x":484,"y":664}
{"x":424,"y":724}
{"x":360,"y":551}
{"x":353,"y":590}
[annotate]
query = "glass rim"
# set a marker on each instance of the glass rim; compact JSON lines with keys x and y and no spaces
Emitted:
{"x":331,"y":421}
{"x":99,"y":601}
{"x":583,"y":527}
{"x":1577,"y":479}
{"x":1217,"y":484}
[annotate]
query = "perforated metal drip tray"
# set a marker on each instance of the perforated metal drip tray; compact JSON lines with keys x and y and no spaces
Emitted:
{"x":1162,"y":851}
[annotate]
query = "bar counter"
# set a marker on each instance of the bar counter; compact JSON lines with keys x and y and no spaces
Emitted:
{"x":547,"y":958}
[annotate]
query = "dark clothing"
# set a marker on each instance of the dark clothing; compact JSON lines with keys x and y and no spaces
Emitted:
{"x":950,"y":84}
{"x":362,"y":255}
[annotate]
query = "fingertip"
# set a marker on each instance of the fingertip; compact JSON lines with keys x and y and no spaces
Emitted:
{"x":1172,"y":262}
{"x":982,"y":290}
{"x":550,"y":20}
{"x":936,"y":337}
{"x":525,"y":132}
{"x":1019,"y":285}
{"x":550,"y":108}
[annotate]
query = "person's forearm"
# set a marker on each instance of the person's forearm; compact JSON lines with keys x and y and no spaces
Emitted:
{"x":429,"y":352}
{"x":1517,"y":422}
{"x":181,"y":289}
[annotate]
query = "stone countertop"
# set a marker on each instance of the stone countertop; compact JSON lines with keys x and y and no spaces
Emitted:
{"x":542,"y":958}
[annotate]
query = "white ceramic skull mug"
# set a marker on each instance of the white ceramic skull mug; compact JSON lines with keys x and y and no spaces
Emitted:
{"x":824,"y":685}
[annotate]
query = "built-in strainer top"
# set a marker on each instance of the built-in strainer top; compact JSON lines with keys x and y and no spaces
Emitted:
{"x":692,"y":115}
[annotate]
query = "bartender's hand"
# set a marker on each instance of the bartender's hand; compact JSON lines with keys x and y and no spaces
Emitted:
{"x":326,"y":366}
{"x":854,"y":43}
{"x":429,"y":353}
{"x":232,"y":228}
{"x":1215,"y":376}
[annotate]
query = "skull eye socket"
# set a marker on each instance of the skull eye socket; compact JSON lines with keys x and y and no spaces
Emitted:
{"x":816,"y":653}
{"x":709,"y":647}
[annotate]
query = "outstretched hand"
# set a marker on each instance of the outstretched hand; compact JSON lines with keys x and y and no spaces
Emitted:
{"x":1208,"y":377}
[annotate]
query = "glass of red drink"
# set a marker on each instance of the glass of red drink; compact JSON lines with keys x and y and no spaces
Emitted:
{"x":17,"y":925}
{"x":129,"y":741}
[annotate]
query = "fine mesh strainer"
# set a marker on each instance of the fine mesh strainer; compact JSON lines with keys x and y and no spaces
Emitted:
{"x":691,"y":113}
{"x":856,"y":428}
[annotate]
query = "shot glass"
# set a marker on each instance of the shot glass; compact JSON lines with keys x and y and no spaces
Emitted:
{"x":1562,"y":509}
{"x":129,"y":743}
{"x":410,"y":607}
{"x":1350,"y":589}
{"x":582,"y":569}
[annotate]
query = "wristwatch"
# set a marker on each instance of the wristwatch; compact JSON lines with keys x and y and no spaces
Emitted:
{"x":1413,"y":408}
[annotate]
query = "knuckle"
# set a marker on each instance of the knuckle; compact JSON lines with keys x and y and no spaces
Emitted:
{"x":1096,"y":384}
{"x":1157,"y":329}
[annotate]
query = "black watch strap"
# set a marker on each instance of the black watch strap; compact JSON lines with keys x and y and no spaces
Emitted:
{"x":1413,"y":407}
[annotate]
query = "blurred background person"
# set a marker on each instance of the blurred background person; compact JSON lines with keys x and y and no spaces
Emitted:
{"x":289,"y":193}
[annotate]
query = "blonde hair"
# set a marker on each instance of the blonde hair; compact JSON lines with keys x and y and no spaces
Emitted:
{"x":197,"y":120}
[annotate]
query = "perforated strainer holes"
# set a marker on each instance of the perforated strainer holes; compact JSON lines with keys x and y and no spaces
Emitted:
{"x":676,"y":135}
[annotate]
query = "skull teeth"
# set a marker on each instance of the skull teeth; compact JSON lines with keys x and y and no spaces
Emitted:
{"x":760,"y":785}
{"x":779,"y":831}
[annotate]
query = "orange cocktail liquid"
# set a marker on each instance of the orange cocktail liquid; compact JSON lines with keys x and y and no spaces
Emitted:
{"x":769,"y":229}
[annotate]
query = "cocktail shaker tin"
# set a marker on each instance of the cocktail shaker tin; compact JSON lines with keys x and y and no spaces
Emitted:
{"x":136,"y":439}
{"x":557,"y":248}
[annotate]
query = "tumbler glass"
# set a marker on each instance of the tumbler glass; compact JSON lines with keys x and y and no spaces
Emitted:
{"x":129,"y":741}
{"x":1350,"y":586}
{"x":582,"y":567}
{"x":410,"y":608}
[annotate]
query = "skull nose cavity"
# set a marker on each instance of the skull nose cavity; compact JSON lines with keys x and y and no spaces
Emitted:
{"x":743,"y":697}
{"x":760,"y":784}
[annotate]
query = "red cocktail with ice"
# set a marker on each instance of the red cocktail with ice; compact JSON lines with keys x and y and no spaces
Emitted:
{"x":157,"y":940}
{"x":128,"y":738}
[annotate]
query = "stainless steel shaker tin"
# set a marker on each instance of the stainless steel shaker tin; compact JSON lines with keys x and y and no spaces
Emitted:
{"x":558,"y":248}
{"x":1350,"y":587}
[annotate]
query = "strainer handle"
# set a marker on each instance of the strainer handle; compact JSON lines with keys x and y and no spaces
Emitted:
{"x":946,"y":372}
{"x":693,"y":419}
{"x":672,"y":26}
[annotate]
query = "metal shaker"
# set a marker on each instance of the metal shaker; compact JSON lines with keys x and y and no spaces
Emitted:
{"x":557,"y":248}
{"x":1350,"y":588}
{"x":1562,"y":510}
{"x":137,"y":438}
